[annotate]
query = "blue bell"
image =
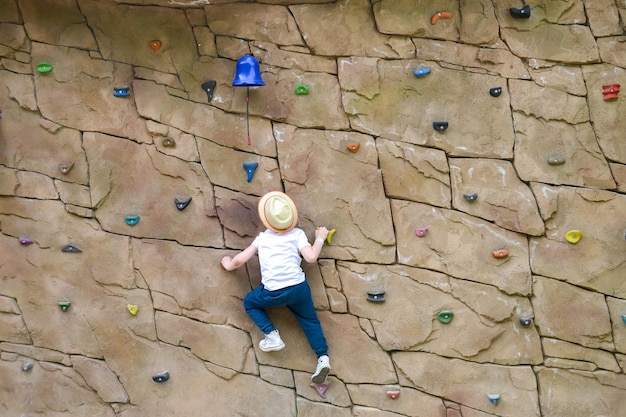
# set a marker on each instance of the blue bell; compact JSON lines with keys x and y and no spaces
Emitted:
{"x":248,"y":72}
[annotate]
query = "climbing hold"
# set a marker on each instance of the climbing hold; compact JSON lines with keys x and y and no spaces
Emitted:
{"x":161,"y":377}
{"x":132,"y":220}
{"x":353,"y":147}
{"x":440,"y":126}
{"x":573,"y":236}
{"x":421,"y":231}
{"x":500,"y":253}
{"x":302,"y":90}
{"x":376,"y":296}
{"x":445,"y":316}
{"x":520,"y":12}
{"x":495,"y":91}
{"x":209,"y":88}
{"x":121,"y":91}
{"x":182,"y":203}
{"x":155,"y":44}
{"x":321,"y":388}
{"x":65,"y":305}
{"x":329,"y":237}
{"x":624,"y":318}
{"x":609,"y":91}
{"x":133,"y":309}
{"x":71,"y":249}
{"x":421,"y":72}
{"x":250,"y":167}
{"x":27,"y":366}
{"x":525,"y":321}
{"x":556,"y":159}
{"x":65,"y":168}
{"x":440,"y":15}
{"x":393,"y":394}
{"x":25,"y":240}
{"x":44,"y":67}
{"x":494,"y":398}
{"x":169,"y":143}
{"x":470,"y":197}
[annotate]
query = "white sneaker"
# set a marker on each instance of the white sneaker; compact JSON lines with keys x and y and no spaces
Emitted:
{"x":272,"y":342}
{"x":322,"y":370}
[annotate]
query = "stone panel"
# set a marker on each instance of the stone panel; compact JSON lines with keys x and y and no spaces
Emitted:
{"x":415,"y":103}
{"x":597,"y":261}
{"x":468,"y":383}
{"x":555,"y":317}
{"x":99,"y":377}
{"x":502,"y":197}
{"x":404,"y":17}
{"x":411,"y":402}
{"x":461,"y":245}
{"x":538,"y":142}
{"x":414,"y":173}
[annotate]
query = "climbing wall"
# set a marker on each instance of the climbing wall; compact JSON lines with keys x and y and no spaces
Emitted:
{"x":469,"y":154}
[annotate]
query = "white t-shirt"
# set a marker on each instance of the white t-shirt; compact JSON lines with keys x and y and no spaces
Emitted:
{"x":279,"y":256}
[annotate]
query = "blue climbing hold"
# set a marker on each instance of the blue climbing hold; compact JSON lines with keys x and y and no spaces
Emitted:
{"x":250,"y":167}
{"x":121,"y":91}
{"x":421,"y":71}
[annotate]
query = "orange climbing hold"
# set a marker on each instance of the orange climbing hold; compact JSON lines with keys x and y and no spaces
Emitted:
{"x":500,"y":253}
{"x":440,"y":15}
{"x":353,"y":147}
{"x":155,"y":45}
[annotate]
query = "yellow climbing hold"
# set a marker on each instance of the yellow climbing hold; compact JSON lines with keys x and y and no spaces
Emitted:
{"x":573,"y":236}
{"x":132,"y":309}
{"x":331,"y":233}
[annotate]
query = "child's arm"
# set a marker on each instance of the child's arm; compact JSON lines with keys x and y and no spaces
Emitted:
{"x":311,"y":253}
{"x":241,"y":258}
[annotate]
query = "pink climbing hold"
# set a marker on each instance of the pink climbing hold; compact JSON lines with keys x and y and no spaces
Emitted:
{"x":421,"y":231}
{"x":321,"y":388}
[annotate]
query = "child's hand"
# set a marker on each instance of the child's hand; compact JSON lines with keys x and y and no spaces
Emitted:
{"x":226,"y":263}
{"x":321,"y":233}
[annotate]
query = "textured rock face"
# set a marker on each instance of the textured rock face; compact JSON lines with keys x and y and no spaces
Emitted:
{"x":454,"y":192}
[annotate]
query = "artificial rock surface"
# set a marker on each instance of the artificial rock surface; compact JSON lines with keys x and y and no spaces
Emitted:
{"x":542,"y":327}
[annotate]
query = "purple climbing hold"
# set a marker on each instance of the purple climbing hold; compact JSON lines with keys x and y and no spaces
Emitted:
{"x":25,"y":240}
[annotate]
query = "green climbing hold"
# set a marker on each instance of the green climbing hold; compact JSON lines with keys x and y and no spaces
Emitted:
{"x":445,"y":316}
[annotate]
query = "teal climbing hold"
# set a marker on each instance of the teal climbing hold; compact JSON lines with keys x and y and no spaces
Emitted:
{"x":71,"y":249}
{"x":132,"y":220}
{"x":182,"y":203}
{"x":250,"y":167}
{"x":445,"y":316}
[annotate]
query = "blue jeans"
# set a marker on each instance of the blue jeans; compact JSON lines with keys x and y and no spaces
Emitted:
{"x":298,"y":300}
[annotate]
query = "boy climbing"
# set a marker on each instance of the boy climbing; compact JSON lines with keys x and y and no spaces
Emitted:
{"x":281,"y":248}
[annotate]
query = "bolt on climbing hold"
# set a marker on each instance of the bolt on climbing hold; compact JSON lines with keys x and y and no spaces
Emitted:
{"x":27,"y":366}
{"x":573,"y":236}
{"x":155,"y":44}
{"x":556,"y":159}
{"x":445,"y":316}
{"x":440,"y":126}
{"x":302,"y":90}
{"x":440,"y":15}
{"x":329,"y":237}
{"x":209,"y":87}
{"x":421,"y":71}
{"x":161,"y":377}
{"x":353,"y":147}
{"x":24,"y":240}
{"x":500,"y":253}
{"x":71,"y":249}
{"x":494,"y":398}
{"x":421,"y":231}
{"x":121,"y":91}
{"x":525,"y":321}
{"x":321,"y":388}
{"x":65,"y":305}
{"x":624,"y":318}
{"x":182,"y":203}
{"x":132,"y":220}
{"x":66,"y":167}
{"x":495,"y":91}
{"x":471,"y":197}
{"x":520,"y":12}
{"x":44,"y":68}
{"x":133,"y":309}
{"x":376,"y":296}
{"x":610,"y":91}
{"x":250,"y":168}
{"x":393,"y":394}
{"x":169,"y":143}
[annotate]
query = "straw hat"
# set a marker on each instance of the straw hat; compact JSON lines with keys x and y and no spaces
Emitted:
{"x":278,"y":212}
